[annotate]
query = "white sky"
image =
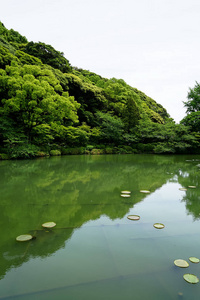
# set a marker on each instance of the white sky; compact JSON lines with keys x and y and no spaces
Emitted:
{"x":154,"y":45}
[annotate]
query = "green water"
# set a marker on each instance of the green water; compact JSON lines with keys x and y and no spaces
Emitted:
{"x":95,"y":252}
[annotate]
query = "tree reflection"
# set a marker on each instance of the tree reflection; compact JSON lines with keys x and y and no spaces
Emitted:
{"x":73,"y":190}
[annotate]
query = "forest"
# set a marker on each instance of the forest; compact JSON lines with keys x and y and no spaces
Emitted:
{"x":48,"y":107}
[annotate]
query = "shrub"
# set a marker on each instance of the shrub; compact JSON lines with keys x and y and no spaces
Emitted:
{"x":89,"y":147}
{"x":4,"y":156}
{"x":23,"y":151}
{"x":42,"y":154}
{"x":109,"y":150}
{"x":55,"y":152}
{"x":97,"y":151}
{"x":73,"y":151}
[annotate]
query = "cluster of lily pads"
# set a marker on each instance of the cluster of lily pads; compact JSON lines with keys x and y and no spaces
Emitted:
{"x":136,"y":217}
{"x":28,"y":237}
{"x":190,"y":186}
{"x":127,"y":194}
{"x":181,"y":263}
{"x":191,"y":278}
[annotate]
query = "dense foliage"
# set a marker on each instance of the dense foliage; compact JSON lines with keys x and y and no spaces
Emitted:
{"x":49,"y":107}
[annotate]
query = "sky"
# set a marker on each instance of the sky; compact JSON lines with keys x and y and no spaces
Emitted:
{"x":153,"y":45}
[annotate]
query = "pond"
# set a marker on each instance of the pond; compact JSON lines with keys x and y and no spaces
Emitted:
{"x":95,"y":251}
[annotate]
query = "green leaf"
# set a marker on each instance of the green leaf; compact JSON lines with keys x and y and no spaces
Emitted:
{"x":191,"y":278}
{"x":49,"y":225}
{"x":24,"y":238}
{"x":194,"y":260}
{"x":125,"y":195}
{"x":181,"y":263}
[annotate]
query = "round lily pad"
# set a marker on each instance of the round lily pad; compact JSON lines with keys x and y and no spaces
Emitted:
{"x":125,"y":195}
{"x":49,"y":224}
{"x":144,"y":191}
{"x":159,"y":225}
{"x":192,"y":186}
{"x":24,"y":238}
{"x":133,"y":217}
{"x":191,"y":278}
{"x":125,"y":192}
{"x":183,"y":189}
{"x":194,"y":260}
{"x":181,"y":263}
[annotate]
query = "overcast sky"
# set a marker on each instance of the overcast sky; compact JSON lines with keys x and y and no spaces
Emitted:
{"x":154,"y":45}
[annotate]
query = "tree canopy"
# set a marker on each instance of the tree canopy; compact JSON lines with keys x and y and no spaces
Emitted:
{"x":48,"y":106}
{"x":192,"y":118}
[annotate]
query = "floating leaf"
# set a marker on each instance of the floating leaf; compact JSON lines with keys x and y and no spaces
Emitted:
{"x":159,"y":225}
{"x":144,"y":191}
{"x":24,"y":238}
{"x":181,"y":263}
{"x":133,"y":217}
{"x":125,"y":195}
{"x":191,"y":278}
{"x":183,"y":189}
{"x":194,"y":260}
{"x":125,"y":192}
{"x":192,"y":186}
{"x":49,"y":224}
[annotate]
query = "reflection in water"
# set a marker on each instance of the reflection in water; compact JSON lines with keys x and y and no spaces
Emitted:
{"x":74,"y":190}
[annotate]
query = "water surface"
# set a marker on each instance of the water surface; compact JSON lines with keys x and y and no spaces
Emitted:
{"x":95,"y":251}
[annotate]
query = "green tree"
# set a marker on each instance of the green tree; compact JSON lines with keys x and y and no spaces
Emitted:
{"x":193,"y":121}
{"x":48,"y":55}
{"x":88,"y":95}
{"x":131,"y":113}
{"x":6,"y":57}
{"x":164,"y":138}
{"x":111,"y":128}
{"x":32,"y":96}
{"x":193,"y":103}
{"x":192,"y":118}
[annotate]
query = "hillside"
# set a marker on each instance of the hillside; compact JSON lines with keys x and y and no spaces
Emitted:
{"x":49,"y":107}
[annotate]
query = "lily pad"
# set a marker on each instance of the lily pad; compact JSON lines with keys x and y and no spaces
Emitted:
{"x":144,"y":191}
{"x":194,"y":260}
{"x":125,"y":195}
{"x":49,"y":225}
{"x":159,"y":225}
{"x":133,"y":217}
{"x":181,"y":263}
{"x":24,"y":238}
{"x":125,"y":192}
{"x":183,"y":189}
{"x":191,"y":278}
{"x":192,"y":186}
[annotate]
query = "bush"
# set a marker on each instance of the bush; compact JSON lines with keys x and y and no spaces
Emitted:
{"x":73,"y":151}
{"x":109,"y":150}
{"x":55,"y":152}
{"x":4,"y":156}
{"x":89,"y":147}
{"x":23,"y":151}
{"x":145,"y":148}
{"x":42,"y":154}
{"x":125,"y":149}
{"x":163,"y":148}
{"x":97,"y":151}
